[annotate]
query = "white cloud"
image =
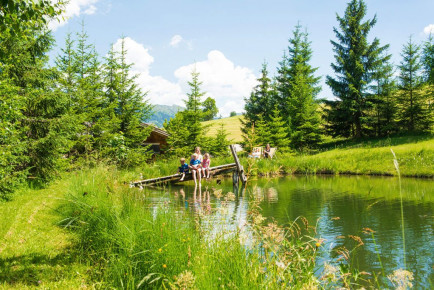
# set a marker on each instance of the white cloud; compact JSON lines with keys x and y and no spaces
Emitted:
{"x":160,"y":90}
{"x":137,"y":54}
{"x":222,"y":80}
{"x":429,"y":29}
{"x":176,"y":39}
{"x":227,"y":83}
{"x":74,"y":8}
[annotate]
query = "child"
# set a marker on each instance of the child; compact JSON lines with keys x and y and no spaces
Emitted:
{"x":195,"y":167}
{"x":205,"y":165}
{"x":183,"y":169}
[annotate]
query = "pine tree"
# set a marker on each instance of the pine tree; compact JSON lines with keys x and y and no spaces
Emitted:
{"x":193,"y":114}
{"x":383,"y":117}
{"x":277,"y":134}
{"x":130,"y":108}
{"x":355,"y":63}
{"x":413,"y":107}
{"x":260,"y":100}
{"x":303,"y":120}
{"x":219,"y":144}
{"x":428,"y":65}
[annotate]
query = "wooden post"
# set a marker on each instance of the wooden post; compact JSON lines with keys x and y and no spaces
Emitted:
{"x":240,"y":168}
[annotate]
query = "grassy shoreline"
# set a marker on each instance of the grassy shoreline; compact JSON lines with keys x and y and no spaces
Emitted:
{"x":415,"y":159}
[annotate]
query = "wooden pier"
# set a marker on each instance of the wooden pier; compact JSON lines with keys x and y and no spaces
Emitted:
{"x":236,"y":168}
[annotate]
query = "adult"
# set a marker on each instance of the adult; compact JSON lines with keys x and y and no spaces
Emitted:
{"x":267,"y":151}
{"x":199,"y":155}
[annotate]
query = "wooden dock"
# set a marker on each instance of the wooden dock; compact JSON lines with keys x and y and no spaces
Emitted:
{"x":236,"y":168}
{"x":175,"y":178}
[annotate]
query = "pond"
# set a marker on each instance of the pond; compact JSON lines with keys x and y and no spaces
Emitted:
{"x":339,"y":207}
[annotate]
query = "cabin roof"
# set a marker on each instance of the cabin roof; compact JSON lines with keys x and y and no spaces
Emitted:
{"x":156,"y":130}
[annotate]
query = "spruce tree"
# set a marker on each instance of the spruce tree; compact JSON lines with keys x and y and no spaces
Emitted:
{"x":413,"y":108}
{"x":302,"y":108}
{"x":130,"y":108}
{"x":277,"y":134}
{"x":193,"y":114}
{"x":355,"y":63}
{"x":260,"y":103}
{"x":219,"y":144}
{"x":428,"y":66}
{"x":260,"y":100}
{"x":383,"y":98}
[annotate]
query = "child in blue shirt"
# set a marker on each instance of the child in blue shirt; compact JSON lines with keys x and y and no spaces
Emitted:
{"x":195,"y":167}
{"x":183,"y":169}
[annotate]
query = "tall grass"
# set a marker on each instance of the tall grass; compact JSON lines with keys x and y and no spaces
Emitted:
{"x":130,"y":243}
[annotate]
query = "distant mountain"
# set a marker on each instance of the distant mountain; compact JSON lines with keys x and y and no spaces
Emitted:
{"x":163,"y":112}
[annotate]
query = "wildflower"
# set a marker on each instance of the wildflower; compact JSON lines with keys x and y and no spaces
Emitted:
{"x":230,"y":196}
{"x":164,"y":266}
{"x":401,"y":279}
{"x":160,"y":250}
{"x":185,"y":280}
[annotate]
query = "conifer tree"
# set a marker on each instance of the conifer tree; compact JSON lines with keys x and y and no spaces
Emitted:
{"x":277,"y":134}
{"x":130,"y":107}
{"x":355,"y":63}
{"x":413,"y":107}
{"x":428,"y":66}
{"x":193,"y":113}
{"x":383,"y":117}
{"x":304,"y":120}
{"x":219,"y":145}
{"x":260,"y":100}
{"x":258,"y":105}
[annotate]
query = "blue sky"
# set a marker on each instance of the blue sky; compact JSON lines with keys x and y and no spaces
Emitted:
{"x":227,"y":41}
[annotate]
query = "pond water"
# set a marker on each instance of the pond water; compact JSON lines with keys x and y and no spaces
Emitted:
{"x":339,"y":206}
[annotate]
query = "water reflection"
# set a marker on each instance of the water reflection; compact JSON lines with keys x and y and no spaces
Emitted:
{"x":339,"y":206}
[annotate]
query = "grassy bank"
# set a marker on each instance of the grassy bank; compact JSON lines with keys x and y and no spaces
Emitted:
{"x":415,"y":157}
{"x":91,"y":230}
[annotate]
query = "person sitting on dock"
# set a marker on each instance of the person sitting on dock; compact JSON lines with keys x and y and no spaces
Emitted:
{"x":183,"y":169}
{"x":195,"y":167}
{"x":205,"y":165}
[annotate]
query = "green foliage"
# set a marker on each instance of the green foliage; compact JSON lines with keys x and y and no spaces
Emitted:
{"x":260,"y":100}
{"x":219,"y":144}
{"x":384,"y":103}
{"x":187,"y":132}
{"x":233,"y":114}
{"x":302,"y":89}
{"x":355,"y":61}
{"x":11,"y":143}
{"x":209,"y":110}
{"x":413,"y":108}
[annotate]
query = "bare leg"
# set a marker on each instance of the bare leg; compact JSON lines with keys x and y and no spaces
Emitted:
{"x":207,"y":173}
{"x":199,"y":175}
{"x":203,"y":170}
{"x":193,"y":172}
{"x":182,"y":177}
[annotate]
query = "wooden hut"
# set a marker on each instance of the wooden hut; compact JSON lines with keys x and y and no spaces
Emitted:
{"x":157,"y":139}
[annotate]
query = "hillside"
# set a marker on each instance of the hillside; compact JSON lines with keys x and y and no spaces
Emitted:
{"x":163,"y":112}
{"x":231,"y":124}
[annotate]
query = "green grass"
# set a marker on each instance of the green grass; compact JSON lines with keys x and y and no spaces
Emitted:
{"x":232,"y":126}
{"x":91,"y":230}
{"x":416,"y":159}
{"x":34,"y":251}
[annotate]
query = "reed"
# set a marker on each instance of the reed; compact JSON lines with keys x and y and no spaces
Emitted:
{"x":128,"y":242}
